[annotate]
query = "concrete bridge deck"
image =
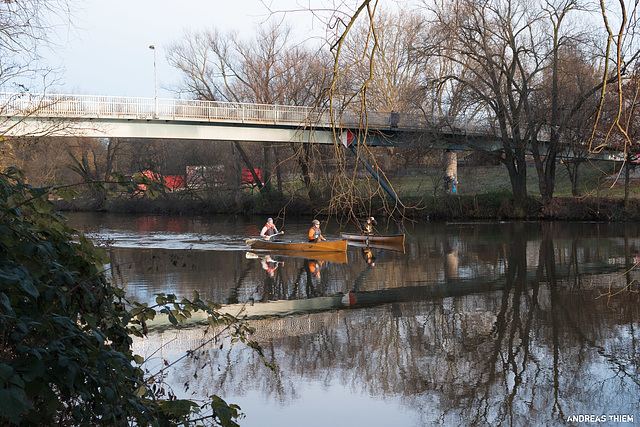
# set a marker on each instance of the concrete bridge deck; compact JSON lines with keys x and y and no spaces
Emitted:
{"x":127,"y":117}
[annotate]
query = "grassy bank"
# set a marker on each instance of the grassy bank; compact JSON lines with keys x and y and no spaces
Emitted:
{"x":485,"y":193}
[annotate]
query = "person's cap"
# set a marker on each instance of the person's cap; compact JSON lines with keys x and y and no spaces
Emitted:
{"x":315,"y":221}
{"x":269,"y":219}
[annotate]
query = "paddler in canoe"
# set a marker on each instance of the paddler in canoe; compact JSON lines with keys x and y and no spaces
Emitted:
{"x":367,"y":226}
{"x":269,"y":230}
{"x":315,"y":235}
{"x":369,"y":236}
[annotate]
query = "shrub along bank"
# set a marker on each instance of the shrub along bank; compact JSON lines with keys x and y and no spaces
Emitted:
{"x":486,"y":195}
{"x":494,"y":205}
{"x":66,"y":350}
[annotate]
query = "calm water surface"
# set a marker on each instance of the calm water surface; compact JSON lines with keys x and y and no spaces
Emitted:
{"x":470,"y":324}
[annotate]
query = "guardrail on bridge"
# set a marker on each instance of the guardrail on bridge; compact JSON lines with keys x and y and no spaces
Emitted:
{"x":120,"y":107}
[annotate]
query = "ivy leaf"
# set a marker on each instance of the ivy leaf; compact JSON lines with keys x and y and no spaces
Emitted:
{"x":36,"y":370}
{"x":26,"y":283}
{"x":67,"y":194}
{"x":173,"y":319}
{"x":8,"y":277}
{"x":13,"y":404}
{"x":140,"y":391}
{"x":5,"y":301}
{"x":6,"y":372}
{"x":177,"y":408}
{"x":42,"y":206}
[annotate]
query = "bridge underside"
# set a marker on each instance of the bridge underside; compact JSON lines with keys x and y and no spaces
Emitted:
{"x":214,"y":131}
{"x":109,"y":127}
{"x":167,"y":129}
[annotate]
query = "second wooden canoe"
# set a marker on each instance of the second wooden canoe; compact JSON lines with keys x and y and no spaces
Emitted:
{"x":392,"y":240}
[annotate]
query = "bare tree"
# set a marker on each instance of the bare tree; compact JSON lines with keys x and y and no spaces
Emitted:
{"x":619,"y":123}
{"x":576,"y":72}
{"x":374,"y":70}
{"x":269,"y":69}
{"x":380,"y":56}
{"x":571,"y":91}
{"x":26,"y":29}
{"x":43,"y":163}
{"x":93,"y":160}
{"x":618,"y":108}
{"x":508,"y":61}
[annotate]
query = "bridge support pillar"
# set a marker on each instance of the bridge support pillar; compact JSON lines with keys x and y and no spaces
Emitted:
{"x":450,"y":172}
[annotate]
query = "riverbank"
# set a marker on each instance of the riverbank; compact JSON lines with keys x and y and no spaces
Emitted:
{"x":484,"y":194}
{"x":494,"y":206}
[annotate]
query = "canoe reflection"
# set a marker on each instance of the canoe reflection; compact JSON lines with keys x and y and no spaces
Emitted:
{"x":375,"y":245}
{"x":392,"y":243}
{"x":337,"y":257}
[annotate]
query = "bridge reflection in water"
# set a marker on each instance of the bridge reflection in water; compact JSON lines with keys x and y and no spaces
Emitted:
{"x":475,"y":324}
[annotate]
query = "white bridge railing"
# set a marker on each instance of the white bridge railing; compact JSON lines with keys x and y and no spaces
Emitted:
{"x":118,"y":107}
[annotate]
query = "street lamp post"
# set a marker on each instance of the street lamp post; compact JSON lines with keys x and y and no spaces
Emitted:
{"x":155,"y":80}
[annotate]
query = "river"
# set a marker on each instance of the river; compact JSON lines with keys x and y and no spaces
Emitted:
{"x":517,"y":323}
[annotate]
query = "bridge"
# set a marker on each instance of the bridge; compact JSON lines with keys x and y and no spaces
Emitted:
{"x":57,"y":115}
{"x":139,"y":118}
{"x":98,"y":116}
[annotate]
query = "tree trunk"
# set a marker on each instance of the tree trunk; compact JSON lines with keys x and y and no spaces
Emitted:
{"x":519,"y":188}
{"x":572,"y":170}
{"x":547,"y":180}
{"x":627,"y":180}
{"x":303,"y":160}
{"x":237,"y":176}
{"x":546,"y":170}
{"x":266,"y":169}
{"x":517,"y":168}
{"x":112,"y":152}
{"x":278,"y":168}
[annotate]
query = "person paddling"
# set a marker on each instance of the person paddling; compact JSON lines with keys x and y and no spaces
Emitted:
{"x":367,"y":227}
{"x":315,"y":235}
{"x":269,"y":230}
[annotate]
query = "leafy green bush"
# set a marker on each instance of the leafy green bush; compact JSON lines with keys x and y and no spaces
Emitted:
{"x":65,"y":354}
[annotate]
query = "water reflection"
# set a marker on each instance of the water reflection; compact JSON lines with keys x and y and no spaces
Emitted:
{"x":475,"y":324}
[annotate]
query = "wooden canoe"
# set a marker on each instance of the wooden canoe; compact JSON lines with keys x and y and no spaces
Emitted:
{"x":392,"y":243}
{"x":374,"y":245}
{"x":325,"y":246}
{"x":392,"y":240}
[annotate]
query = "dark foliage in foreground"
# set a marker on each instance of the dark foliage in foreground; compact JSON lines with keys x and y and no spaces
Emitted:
{"x":65,"y":349}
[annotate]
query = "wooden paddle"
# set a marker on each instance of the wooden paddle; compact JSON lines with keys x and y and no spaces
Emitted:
{"x":250,"y":242}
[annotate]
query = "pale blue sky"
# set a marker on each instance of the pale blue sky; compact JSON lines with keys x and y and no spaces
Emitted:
{"x":107,"y":51}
